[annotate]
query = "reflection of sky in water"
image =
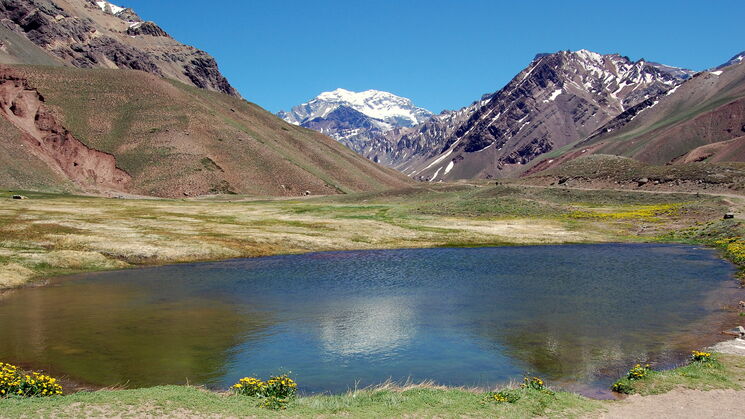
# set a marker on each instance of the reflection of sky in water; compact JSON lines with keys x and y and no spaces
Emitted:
{"x":457,"y":316}
{"x":367,"y":327}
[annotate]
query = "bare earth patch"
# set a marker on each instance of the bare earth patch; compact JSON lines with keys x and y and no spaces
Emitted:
{"x":679,"y":404}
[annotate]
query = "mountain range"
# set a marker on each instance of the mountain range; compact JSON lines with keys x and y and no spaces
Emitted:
{"x":95,"y":99}
{"x":556,"y":100}
{"x":356,"y":119}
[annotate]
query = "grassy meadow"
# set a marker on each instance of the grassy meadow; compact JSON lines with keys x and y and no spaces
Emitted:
{"x":51,"y":234}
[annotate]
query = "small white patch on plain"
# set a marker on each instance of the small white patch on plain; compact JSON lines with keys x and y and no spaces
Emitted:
{"x":717,"y":73}
{"x":450,"y":167}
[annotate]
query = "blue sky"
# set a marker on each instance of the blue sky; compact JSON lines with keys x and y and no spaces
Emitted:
{"x":441,"y":54}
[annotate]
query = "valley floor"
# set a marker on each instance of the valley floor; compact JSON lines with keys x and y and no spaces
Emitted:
{"x":48,"y":235}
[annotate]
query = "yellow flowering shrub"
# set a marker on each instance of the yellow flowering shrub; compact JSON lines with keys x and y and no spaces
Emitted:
{"x":14,"y":383}
{"x":249,"y":386}
{"x":645,"y":212}
{"x":734,"y":247}
{"x":504,"y":396}
{"x":639,"y":372}
{"x":702,"y":357}
{"x":625,"y":385}
{"x":533,"y":383}
{"x":281,"y":386}
{"x":274,"y":393}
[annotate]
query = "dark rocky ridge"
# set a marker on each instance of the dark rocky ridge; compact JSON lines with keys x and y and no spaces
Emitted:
{"x":82,"y":35}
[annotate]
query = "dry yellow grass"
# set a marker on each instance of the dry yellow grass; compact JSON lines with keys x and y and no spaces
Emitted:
{"x":55,"y":234}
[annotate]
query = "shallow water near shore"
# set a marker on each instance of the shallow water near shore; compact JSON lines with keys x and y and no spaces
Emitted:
{"x":577,"y":315}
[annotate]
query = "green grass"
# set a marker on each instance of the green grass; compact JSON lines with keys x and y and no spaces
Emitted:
{"x":421,"y":401}
{"x":386,"y":400}
{"x":727,"y":373}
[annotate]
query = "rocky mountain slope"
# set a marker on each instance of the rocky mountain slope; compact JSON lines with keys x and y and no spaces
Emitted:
{"x":356,"y":119}
{"x":122,"y":131}
{"x":100,"y":34}
{"x":558,"y":99}
{"x":703,"y":119}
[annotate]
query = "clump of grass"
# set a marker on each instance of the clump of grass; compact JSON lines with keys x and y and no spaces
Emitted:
{"x":716,"y":371}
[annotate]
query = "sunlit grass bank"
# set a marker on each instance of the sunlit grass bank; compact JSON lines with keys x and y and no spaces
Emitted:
{"x":387,"y":400}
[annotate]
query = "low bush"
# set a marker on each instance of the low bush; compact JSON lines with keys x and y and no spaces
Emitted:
{"x":703,"y":357}
{"x":535,"y":383}
{"x":503,"y":396}
{"x":15,"y":383}
{"x":275,"y":393}
{"x":625,"y":385}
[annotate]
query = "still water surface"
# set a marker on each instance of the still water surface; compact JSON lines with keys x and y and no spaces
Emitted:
{"x":574,"y":314}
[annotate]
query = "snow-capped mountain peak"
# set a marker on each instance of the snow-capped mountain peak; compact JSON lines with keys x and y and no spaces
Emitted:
{"x":356,"y":119}
{"x":384,"y":106}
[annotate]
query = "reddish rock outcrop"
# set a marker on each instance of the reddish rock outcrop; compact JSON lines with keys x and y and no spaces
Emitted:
{"x":24,"y":107}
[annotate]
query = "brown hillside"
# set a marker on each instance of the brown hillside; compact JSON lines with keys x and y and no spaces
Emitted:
{"x":176,"y":140}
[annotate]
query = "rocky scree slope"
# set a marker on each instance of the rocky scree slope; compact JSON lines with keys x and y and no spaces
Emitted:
{"x":558,"y":99}
{"x":357,"y":119}
{"x":112,"y":131}
{"x":94,"y":34}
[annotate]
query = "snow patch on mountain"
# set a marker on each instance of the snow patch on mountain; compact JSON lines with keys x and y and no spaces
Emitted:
{"x":109,"y":7}
{"x":384,"y":106}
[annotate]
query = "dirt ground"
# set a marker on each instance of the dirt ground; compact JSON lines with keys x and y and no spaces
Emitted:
{"x":681,"y":404}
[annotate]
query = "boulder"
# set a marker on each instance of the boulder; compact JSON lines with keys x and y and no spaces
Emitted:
{"x":738,"y":331}
{"x":643,"y":181}
{"x":729,"y":215}
{"x":19,"y":197}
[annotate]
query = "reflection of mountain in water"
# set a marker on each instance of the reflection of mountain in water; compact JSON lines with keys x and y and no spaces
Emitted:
{"x":114,"y":333}
{"x":367,"y":327}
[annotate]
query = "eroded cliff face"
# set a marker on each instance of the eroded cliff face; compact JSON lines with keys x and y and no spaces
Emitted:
{"x":47,"y":139}
{"x":84,"y":34}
